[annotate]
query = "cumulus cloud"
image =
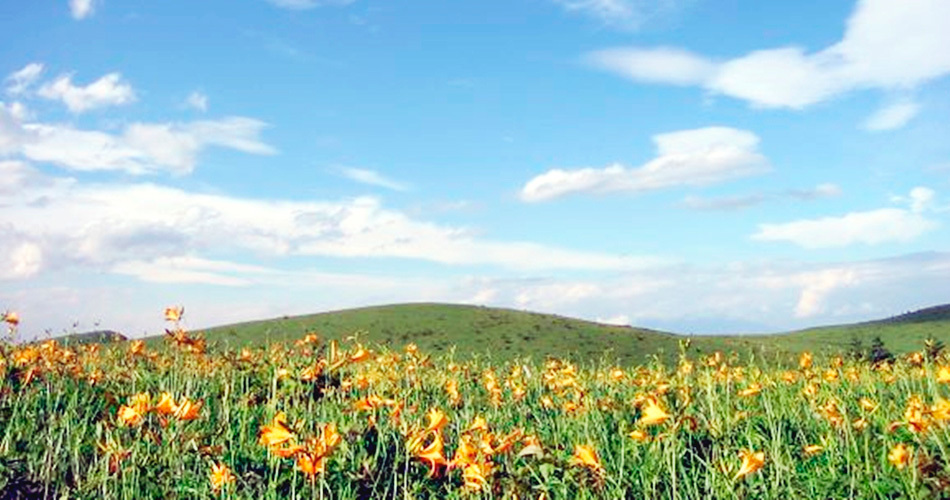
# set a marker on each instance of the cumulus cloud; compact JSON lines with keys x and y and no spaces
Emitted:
{"x":815,"y":289}
{"x":108,"y":90}
{"x":372,"y":178}
{"x":885,"y":45}
{"x":892,"y":116}
{"x":20,"y":256}
{"x":872,"y":227}
{"x":82,"y":9}
{"x":686,"y":158}
{"x":20,"y":81}
{"x":141,"y":148}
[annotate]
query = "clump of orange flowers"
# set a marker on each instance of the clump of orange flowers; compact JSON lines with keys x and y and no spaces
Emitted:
{"x":139,"y":405}
{"x":311,"y":456}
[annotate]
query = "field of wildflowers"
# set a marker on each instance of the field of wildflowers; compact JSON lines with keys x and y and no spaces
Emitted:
{"x":316,"y":419}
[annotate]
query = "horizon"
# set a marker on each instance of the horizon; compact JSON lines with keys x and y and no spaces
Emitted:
{"x":694,"y":167}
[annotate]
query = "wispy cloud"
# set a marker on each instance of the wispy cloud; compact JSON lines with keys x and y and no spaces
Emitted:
{"x":198,"y":101}
{"x":873,"y":227}
{"x":19,"y":81}
{"x":109,"y":90}
{"x":724,"y":203}
{"x":886,"y":45}
{"x":891,"y":117}
{"x":372,"y":178}
{"x":685,"y":158}
{"x":740,"y":202}
{"x":308,"y":4}
{"x":140,"y":148}
{"x":627,"y":15}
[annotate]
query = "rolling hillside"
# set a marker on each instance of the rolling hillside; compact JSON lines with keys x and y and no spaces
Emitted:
{"x":506,"y":334}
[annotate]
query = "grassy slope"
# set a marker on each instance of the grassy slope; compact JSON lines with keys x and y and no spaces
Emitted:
{"x":505,"y":334}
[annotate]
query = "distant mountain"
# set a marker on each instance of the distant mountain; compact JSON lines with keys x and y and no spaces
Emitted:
{"x":509,"y":334}
{"x":927,"y":314}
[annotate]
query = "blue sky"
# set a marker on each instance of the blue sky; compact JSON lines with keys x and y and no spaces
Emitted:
{"x":698,"y":166}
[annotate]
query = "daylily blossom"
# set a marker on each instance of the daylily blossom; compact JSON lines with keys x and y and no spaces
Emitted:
{"x":220,"y":476}
{"x":652,"y":414}
{"x":586,"y":456}
{"x":174,"y":313}
{"x":751,"y":462}
{"x":11,"y":318}
{"x":900,"y":456}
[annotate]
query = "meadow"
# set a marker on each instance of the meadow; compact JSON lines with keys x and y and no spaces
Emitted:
{"x":339,"y":416}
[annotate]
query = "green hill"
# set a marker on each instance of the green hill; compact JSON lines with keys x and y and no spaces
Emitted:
{"x":505,"y":334}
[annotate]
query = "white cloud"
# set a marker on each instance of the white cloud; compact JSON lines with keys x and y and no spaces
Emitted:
{"x":108,"y":90}
{"x":82,"y":9}
{"x":140,"y":148}
{"x":620,"y":13}
{"x":659,"y":65}
{"x":126,"y":227}
{"x":725,"y":203}
{"x":12,"y":135}
{"x":189,"y":269}
{"x":308,"y":4}
{"x":686,"y":158}
{"x":886,"y":45}
{"x":372,"y":178}
{"x":618,"y":320}
{"x":922,"y":199}
{"x":817,"y":285}
{"x":871,"y":227}
{"x":892,"y":116}
{"x":19,"y":81}
{"x":20,"y":257}
{"x":198,"y":101}
{"x":740,"y":202}
{"x":825,"y":190}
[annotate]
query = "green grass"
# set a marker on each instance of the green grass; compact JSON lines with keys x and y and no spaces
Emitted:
{"x":504,"y":334}
{"x":61,"y":434}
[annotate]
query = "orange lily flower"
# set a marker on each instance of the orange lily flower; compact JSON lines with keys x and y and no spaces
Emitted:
{"x":752,"y":390}
{"x":140,"y":402}
{"x":129,"y":416}
{"x":276,"y":433}
{"x":166,"y":404}
{"x":653,"y":414}
{"x":751,"y":462}
{"x":220,"y":476}
{"x":943,"y":374}
{"x":437,"y":420}
{"x":11,"y":318}
{"x":432,"y":454}
{"x":476,"y":475}
{"x":311,"y":464}
{"x":174,"y":313}
{"x":586,"y":456}
{"x":188,"y":410}
{"x":900,"y":456}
